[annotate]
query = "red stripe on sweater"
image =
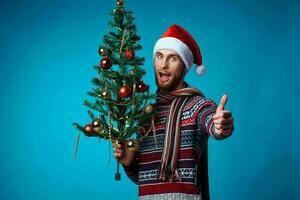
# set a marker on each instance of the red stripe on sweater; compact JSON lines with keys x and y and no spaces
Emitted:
{"x":163,"y":114}
{"x":168,"y":188}
{"x":150,"y":157}
{"x":189,"y":121}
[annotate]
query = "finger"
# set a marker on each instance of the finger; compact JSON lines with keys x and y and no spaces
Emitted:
{"x":218,"y":131}
{"x":223,"y":113}
{"x":223,"y":127}
{"x":223,"y":120}
{"x":118,"y":155}
{"x":226,"y":132}
{"x":218,"y":126}
{"x":222,"y":103}
{"x":116,"y":150}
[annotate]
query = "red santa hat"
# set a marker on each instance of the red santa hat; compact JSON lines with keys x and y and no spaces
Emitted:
{"x":179,"y":40}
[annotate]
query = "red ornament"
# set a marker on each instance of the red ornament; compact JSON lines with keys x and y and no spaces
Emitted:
{"x":129,"y":54}
{"x":105,"y":63}
{"x":142,"y":87}
{"x":89,"y":131}
{"x":125,"y":91}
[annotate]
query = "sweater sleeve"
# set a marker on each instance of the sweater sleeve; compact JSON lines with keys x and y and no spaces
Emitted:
{"x":132,"y":170}
{"x":205,"y":119}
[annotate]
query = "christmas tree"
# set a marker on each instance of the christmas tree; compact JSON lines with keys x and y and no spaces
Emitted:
{"x":121,"y":99}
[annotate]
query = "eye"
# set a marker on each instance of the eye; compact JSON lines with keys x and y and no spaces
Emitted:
{"x":158,"y":55}
{"x":173,"y":58}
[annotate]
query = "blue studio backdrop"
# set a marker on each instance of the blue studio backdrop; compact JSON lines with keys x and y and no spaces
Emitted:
{"x":48,"y":49}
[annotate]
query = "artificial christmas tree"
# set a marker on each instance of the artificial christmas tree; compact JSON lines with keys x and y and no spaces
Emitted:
{"x":121,"y":98}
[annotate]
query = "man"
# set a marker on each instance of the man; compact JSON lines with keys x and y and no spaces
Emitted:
{"x":171,"y":162}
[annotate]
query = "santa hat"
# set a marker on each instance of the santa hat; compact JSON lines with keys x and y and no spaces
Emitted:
{"x":179,"y":40}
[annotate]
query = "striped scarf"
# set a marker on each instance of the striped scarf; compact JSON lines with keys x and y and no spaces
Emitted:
{"x":168,"y":168}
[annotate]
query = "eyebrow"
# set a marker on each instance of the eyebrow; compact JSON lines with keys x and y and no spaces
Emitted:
{"x":173,"y":55}
{"x":169,"y":55}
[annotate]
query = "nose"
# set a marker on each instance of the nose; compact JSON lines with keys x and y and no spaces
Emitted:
{"x":164,"y":64}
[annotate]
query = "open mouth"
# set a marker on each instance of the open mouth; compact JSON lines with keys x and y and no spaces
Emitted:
{"x":164,"y":76}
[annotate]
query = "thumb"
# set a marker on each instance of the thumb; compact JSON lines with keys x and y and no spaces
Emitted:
{"x":222,"y":103}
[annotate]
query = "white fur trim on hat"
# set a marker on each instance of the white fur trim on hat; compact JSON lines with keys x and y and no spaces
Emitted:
{"x":200,"y":70}
{"x":177,"y":45}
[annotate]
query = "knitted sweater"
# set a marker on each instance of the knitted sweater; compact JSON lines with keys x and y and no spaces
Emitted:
{"x":196,"y":127}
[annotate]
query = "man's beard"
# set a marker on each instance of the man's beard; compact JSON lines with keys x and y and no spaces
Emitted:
{"x":171,"y":86}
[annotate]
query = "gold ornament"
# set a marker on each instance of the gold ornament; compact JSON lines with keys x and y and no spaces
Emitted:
{"x":148,"y":109}
{"x":105,"y":95}
{"x":118,"y":144}
{"x":120,"y":3}
{"x":101,"y":51}
{"x":132,"y":145}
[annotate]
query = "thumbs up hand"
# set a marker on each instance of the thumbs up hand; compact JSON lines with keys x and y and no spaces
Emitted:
{"x":223,"y":120}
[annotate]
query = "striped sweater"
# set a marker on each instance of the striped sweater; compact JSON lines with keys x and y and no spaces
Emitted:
{"x":196,"y":127}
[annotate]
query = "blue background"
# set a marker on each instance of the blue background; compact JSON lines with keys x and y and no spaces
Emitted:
{"x":48,"y":49}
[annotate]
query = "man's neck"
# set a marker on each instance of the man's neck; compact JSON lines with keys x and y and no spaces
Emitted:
{"x":178,"y":87}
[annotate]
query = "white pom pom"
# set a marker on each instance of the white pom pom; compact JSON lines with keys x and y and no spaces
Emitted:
{"x":200,"y":70}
